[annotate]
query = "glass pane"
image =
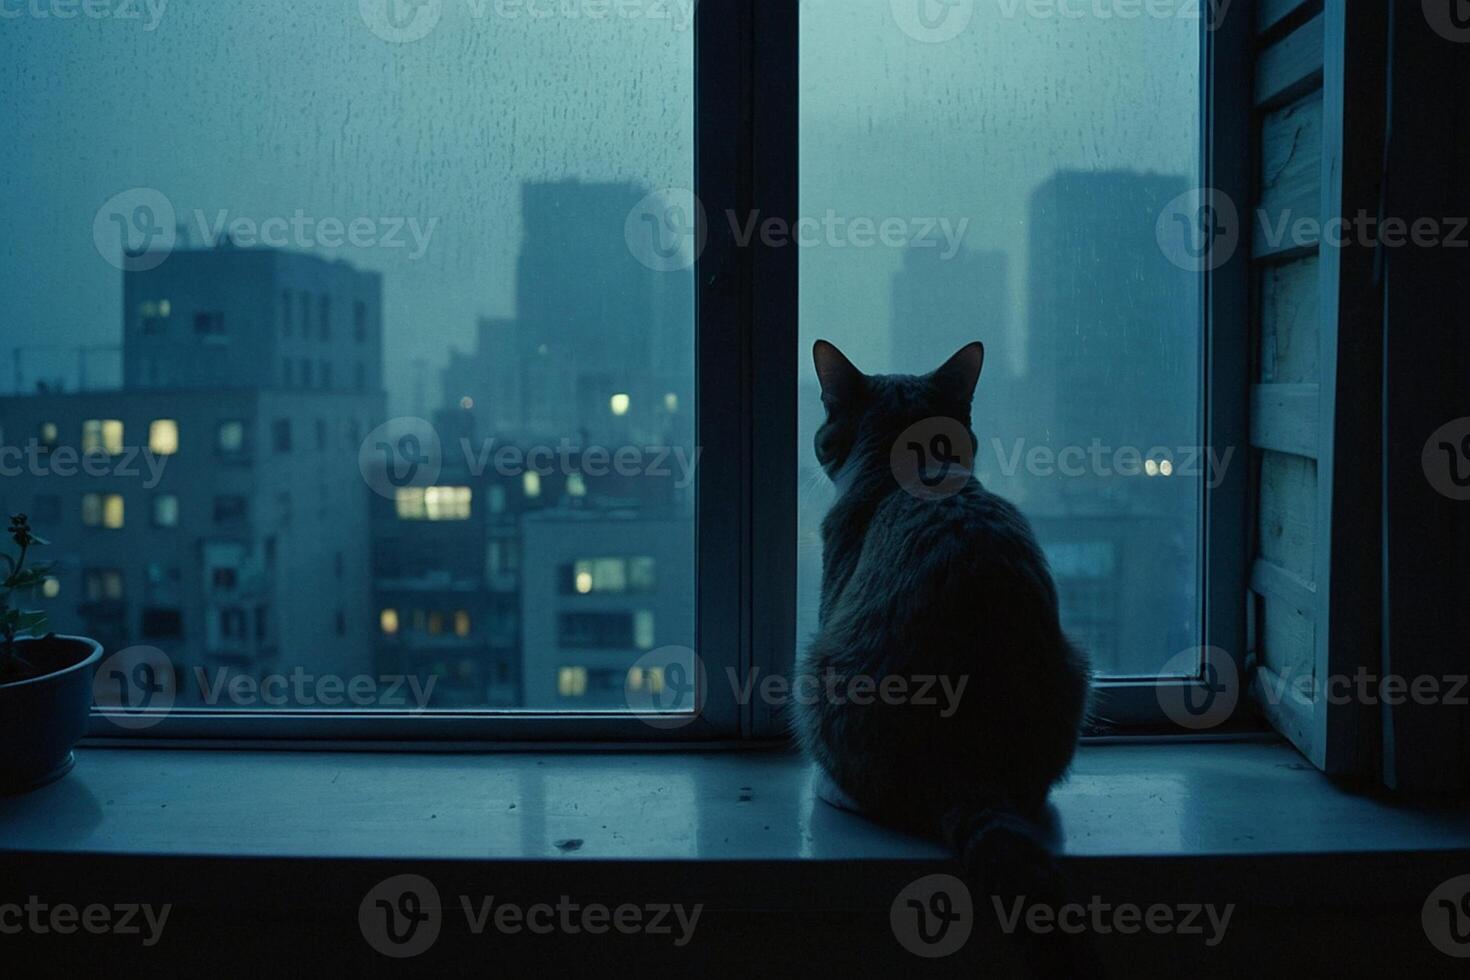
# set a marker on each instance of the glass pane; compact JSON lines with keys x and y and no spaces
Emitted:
{"x":350,"y":304}
{"x":998,"y":172}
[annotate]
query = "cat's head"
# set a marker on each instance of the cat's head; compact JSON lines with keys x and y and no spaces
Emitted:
{"x":867,"y":413}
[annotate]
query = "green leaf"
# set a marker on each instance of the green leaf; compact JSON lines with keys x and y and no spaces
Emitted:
{"x":32,"y":623}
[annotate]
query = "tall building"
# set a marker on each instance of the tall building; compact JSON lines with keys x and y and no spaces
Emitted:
{"x":607,"y":588}
{"x":1113,"y":355}
{"x":252,"y":318}
{"x":603,"y":347}
{"x":212,"y":507}
{"x":1113,"y":327}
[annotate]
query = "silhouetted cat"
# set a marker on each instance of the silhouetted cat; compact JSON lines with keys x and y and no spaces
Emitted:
{"x":927,"y":575}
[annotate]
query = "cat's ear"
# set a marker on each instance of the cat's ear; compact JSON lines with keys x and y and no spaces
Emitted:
{"x":836,"y":373}
{"x":961,"y":373}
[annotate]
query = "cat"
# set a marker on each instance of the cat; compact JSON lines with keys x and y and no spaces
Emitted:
{"x":926,"y":574}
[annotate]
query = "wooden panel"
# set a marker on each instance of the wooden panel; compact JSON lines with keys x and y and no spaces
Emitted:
{"x":1287,"y":521}
{"x":1269,"y":13}
{"x":1291,"y":68}
{"x":1288,"y":216}
{"x":1289,"y":711}
{"x":1291,"y":325}
{"x":1268,"y":579}
{"x":1287,"y":640}
{"x":1284,"y":418}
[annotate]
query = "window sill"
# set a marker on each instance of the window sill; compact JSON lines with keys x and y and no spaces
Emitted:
{"x":1151,"y":801}
{"x":277,"y":836}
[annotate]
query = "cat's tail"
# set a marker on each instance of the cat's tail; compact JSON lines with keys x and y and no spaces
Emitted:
{"x":1009,"y":864}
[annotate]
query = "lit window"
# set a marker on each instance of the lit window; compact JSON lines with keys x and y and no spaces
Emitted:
{"x":436,"y":623}
{"x":643,"y":629}
{"x":461,"y":623}
{"x":649,"y":679}
{"x":467,"y":403}
{"x":531,"y":484}
{"x":576,"y":486}
{"x":166,"y":510}
{"x":102,"y":436}
{"x":1166,"y":468}
{"x":620,"y":404}
{"x":671,"y":403}
{"x":1151,"y":467}
{"x":102,"y":510}
{"x":163,"y":437}
{"x":51,"y":587}
{"x":230,"y":437}
{"x":571,"y":682}
{"x":49,"y":435}
{"x":433,"y":503}
{"x":388,"y":622}
{"x":584,"y":580}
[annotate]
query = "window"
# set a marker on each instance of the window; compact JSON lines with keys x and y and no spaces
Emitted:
{"x":161,"y":624}
{"x":166,"y":510}
{"x":209,"y":324}
{"x":286,"y":313}
{"x":308,"y":379}
{"x":281,"y":435}
{"x":597,"y":631}
{"x":229,"y":438}
{"x":611,"y":576}
{"x":50,"y":587}
{"x":102,"y":584}
{"x":388,"y":622}
{"x":287,"y":372}
{"x":571,"y":682}
{"x":1046,"y":248}
{"x":325,"y":323}
{"x":47,"y":436}
{"x":102,"y":510}
{"x":102,"y":436}
{"x":231,"y":509}
{"x":153,"y":316}
{"x":434,"y":503}
{"x":359,"y":321}
{"x":163,"y":437}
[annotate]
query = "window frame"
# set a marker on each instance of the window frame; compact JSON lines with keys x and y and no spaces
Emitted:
{"x":747,"y":366}
{"x":745,"y":101}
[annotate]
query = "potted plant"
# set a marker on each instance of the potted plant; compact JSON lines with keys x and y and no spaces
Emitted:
{"x":45,"y":679}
